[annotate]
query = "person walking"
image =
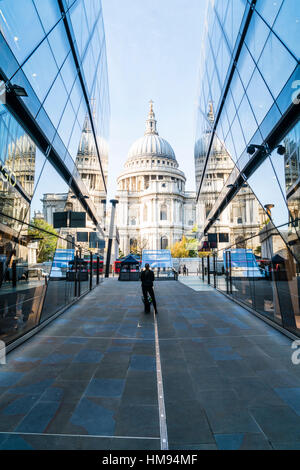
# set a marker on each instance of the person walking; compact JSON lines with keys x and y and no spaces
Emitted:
{"x":184,"y":270}
{"x":147,"y":278}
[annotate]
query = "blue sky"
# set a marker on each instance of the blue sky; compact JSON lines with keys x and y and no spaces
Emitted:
{"x":153,"y":52}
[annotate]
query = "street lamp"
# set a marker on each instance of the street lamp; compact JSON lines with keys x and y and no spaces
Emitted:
{"x":114,"y":202}
{"x":103,"y":201}
{"x":268,"y":208}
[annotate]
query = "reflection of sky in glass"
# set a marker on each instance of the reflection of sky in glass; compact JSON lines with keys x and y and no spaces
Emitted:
{"x":41,"y":70}
{"x":264,"y":77}
{"x":20,"y":26}
{"x":265,"y":186}
{"x":256,"y":36}
{"x":276,"y":64}
{"x":49,"y":182}
{"x":56,"y":101}
{"x":57,"y":40}
{"x":268,"y":9}
{"x":48,"y":11}
{"x":289,"y":15}
{"x":259,"y":96}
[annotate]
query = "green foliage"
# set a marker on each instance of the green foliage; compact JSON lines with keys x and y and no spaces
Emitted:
{"x":46,"y":242}
{"x":258,"y":250}
{"x":193,"y":254}
{"x":178,"y":250}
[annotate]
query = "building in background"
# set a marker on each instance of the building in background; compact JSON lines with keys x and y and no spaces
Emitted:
{"x":237,"y":221}
{"x":154,"y":210}
{"x":250,"y":78}
{"x":54,"y":124}
{"x":89,"y":171}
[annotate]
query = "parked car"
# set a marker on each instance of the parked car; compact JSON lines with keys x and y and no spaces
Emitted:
{"x":37,"y":273}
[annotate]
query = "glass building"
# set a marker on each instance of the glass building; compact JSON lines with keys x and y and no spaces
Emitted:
{"x":247,"y":155}
{"x":54,"y":119}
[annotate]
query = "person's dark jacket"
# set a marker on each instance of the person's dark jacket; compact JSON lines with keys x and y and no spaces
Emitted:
{"x":147,"y":278}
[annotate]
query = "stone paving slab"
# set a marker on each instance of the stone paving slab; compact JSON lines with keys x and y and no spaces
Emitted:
{"x":88,"y":379}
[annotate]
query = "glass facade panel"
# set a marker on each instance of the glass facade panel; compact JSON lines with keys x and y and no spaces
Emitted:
{"x":22,"y":31}
{"x":281,"y":68}
{"x":259,"y":96}
{"x":49,"y":13}
{"x":289,"y":14}
{"x":59,"y":43}
{"x":41,"y":70}
{"x":246,"y":66}
{"x":45,"y":261}
{"x":247,"y":119}
{"x":233,"y":19}
{"x":55,"y":101}
{"x":268,"y":10}
{"x":68,"y":74}
{"x":79,"y":24}
{"x":66,"y":124}
{"x":255,"y":236}
{"x":256,"y":36}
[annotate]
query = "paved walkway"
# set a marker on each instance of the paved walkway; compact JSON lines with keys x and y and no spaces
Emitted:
{"x":89,"y":380}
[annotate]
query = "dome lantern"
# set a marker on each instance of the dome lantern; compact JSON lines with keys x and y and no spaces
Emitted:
{"x":151,"y":121}
{"x":151,"y":144}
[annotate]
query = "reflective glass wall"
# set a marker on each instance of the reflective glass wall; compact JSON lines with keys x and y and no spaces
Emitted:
{"x":247,"y":155}
{"x":54,"y":120}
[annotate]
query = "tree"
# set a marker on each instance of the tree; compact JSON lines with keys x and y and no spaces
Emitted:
{"x":47,"y":242}
{"x":179,"y":250}
{"x":193,"y":254}
{"x":258,"y":250}
{"x":137,"y":247}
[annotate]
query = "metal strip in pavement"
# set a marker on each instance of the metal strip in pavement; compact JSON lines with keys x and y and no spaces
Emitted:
{"x":125,"y":338}
{"x":20,"y":433}
{"x":164,"y":445}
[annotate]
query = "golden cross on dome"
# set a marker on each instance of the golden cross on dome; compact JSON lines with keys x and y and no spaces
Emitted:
{"x":151,"y":106}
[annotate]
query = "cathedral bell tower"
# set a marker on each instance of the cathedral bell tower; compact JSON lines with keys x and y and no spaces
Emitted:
{"x":151,"y":121}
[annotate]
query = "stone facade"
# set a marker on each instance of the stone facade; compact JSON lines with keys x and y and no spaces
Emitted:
{"x":154,"y":210}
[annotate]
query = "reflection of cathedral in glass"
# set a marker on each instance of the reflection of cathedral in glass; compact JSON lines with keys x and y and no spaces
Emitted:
{"x":292,"y":186}
{"x":88,"y":166}
{"x":218,"y":168}
{"x":17,"y":169}
{"x":18,"y":154}
{"x":241,"y":218}
{"x":51,"y":153}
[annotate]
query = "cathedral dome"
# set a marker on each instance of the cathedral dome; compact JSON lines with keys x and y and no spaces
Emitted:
{"x":151,"y":144}
{"x":202,"y":144}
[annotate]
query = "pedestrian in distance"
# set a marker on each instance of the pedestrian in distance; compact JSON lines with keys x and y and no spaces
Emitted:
{"x":184,"y":270}
{"x":147,"y":278}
